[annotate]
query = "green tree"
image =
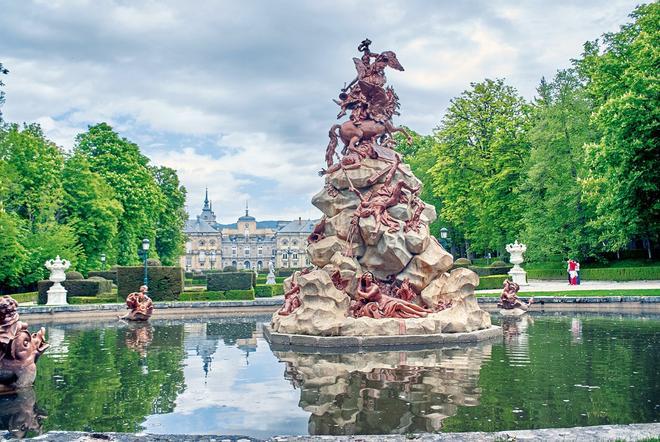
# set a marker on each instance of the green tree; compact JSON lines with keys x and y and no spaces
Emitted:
{"x":33,"y":164}
{"x":13,"y":255}
{"x":127,"y":171}
{"x":169,"y":231}
{"x":90,"y":207}
{"x":555,"y":216}
{"x":481,"y":146}
{"x":622,"y":80}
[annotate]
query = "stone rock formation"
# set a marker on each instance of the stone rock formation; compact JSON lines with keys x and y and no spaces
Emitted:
{"x":378,"y":271}
{"x":19,"y":350}
{"x":387,"y":392}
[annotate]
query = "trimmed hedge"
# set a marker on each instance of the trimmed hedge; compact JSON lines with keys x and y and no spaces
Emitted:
{"x":263,"y":279}
{"x":229,"y":281}
{"x":74,"y":276}
{"x":278,"y":289}
{"x":109,"y":274}
{"x":462,"y":262}
{"x":25,"y":297}
{"x":489,"y":271}
{"x":263,"y":291}
{"x":285,"y":272}
{"x":165,"y":283}
{"x":82,"y":287}
{"x":604,"y":274}
{"x":492,"y":282}
{"x":229,"y":295}
{"x":103,"y":299}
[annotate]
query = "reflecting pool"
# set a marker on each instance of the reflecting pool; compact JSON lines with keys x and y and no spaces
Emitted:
{"x":218,"y":376}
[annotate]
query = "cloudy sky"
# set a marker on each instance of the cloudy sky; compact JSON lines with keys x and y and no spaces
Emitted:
{"x":236,"y":95}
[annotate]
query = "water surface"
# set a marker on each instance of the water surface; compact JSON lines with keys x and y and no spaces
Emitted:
{"x":219,"y":376}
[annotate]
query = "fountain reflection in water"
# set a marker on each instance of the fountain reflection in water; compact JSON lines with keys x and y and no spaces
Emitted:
{"x":516,"y":339}
{"x":19,"y":414}
{"x":385,"y":392}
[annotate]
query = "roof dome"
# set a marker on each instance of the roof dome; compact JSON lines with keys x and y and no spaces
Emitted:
{"x":247,"y":218}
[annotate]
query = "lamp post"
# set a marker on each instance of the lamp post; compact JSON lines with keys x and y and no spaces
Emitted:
{"x":102,"y":261}
{"x":445,"y":240}
{"x":145,"y":255}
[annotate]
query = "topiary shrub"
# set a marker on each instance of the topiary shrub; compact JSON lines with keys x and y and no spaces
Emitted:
{"x":498,"y":264}
{"x":462,"y":262}
{"x":74,"y":276}
{"x":286,"y":272}
{"x":153,"y":262}
{"x":110,"y":274}
{"x":492,"y":282}
{"x":76,"y":288}
{"x":165,"y":283}
{"x":263,"y":291}
{"x":229,"y":281}
{"x":278,"y":289}
{"x":229,"y":269}
{"x":239,"y":295}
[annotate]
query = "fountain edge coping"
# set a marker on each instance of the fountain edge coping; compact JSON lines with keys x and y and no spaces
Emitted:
{"x":272,"y":302}
{"x":285,"y":341}
{"x":629,"y":432}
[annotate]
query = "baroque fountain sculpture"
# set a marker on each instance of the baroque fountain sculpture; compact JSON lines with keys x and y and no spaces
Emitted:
{"x":377,"y":270}
{"x":19,"y":349}
{"x":140,"y":305}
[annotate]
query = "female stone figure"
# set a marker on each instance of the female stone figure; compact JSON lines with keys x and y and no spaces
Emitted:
{"x":373,"y":303}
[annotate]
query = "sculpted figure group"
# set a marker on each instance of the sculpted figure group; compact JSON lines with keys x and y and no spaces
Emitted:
{"x":140,"y":304}
{"x":19,"y":349}
{"x":509,"y":298}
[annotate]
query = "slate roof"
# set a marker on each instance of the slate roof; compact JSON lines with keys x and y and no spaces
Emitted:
{"x":297,"y":226}
{"x":198,"y":225}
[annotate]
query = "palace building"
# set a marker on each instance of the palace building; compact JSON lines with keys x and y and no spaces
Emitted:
{"x":245,"y":244}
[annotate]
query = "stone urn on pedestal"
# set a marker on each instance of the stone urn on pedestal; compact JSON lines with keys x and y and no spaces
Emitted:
{"x":516,"y":250}
{"x":57,"y":292}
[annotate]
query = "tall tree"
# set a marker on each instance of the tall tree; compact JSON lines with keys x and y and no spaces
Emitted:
{"x":481,"y":145}
{"x":621,"y":74}
{"x":169,"y":231}
{"x":34,"y":166}
{"x":91,"y":208}
{"x":556,"y":217}
{"x":127,"y":171}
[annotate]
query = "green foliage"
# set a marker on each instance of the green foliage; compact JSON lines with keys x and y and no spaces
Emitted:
{"x":229,"y":295}
{"x":102,"y":299}
{"x":72,"y":276}
{"x":263,"y":291}
{"x":91,"y":209}
{"x":621,"y":75}
{"x":599,"y":274}
{"x":3,"y":71}
{"x":285,"y":273}
{"x":165,"y":283}
{"x":498,"y":264}
{"x":262,"y":279}
{"x":481,"y":145}
{"x":229,"y":281}
{"x":556,"y":215}
{"x":278,"y":289}
{"x":13,"y":255}
{"x":25,"y":297}
{"x":491,"y":282}
{"x":76,"y":287}
{"x":109,"y":275}
{"x":127,"y":171}
{"x":169,"y":229}
{"x":462,"y":262}
{"x":239,"y":295}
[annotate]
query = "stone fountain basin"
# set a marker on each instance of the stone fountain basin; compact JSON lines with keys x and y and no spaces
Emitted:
{"x":285,"y":341}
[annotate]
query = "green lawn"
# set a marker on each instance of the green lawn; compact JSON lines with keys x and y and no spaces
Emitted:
{"x":581,"y":293}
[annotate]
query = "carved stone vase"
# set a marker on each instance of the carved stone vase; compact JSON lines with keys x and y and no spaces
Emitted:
{"x":57,"y":292}
{"x":518,"y":275}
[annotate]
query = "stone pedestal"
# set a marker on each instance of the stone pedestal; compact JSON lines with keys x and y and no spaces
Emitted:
{"x":518,"y":275}
{"x":56,"y":295}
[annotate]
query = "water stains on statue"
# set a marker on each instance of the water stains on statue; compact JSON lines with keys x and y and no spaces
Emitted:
{"x":19,"y":349}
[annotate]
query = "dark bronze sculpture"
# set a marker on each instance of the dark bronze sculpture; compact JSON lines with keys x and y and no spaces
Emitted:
{"x":509,"y":298}
{"x":140,"y":304}
{"x":19,"y":350}
{"x":372,"y":106}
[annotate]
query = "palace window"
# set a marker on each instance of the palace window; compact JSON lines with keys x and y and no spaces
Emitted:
{"x":285,"y":256}
{"x":246,"y":251}
{"x":233,"y":251}
{"x":260,"y":251}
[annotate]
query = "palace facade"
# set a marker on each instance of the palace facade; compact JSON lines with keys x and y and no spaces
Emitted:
{"x":245,"y":244}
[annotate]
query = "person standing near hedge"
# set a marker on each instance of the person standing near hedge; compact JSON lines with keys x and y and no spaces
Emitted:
{"x":572,"y":272}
